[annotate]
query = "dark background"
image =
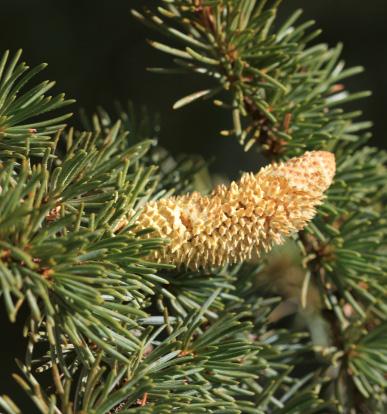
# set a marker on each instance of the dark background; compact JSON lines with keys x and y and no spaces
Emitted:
{"x":97,"y":54}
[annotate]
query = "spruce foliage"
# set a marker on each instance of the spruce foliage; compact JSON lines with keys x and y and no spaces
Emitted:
{"x":115,"y":333}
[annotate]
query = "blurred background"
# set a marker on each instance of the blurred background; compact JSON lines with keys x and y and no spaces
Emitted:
{"x":98,"y":53}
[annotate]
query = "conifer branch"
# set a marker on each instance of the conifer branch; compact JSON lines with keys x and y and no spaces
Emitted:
{"x":116,"y":324}
{"x":287,"y":96}
{"x":283,"y":94}
{"x":25,"y":129}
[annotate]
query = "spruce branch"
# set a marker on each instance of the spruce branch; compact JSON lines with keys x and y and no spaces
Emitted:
{"x":25,"y":130}
{"x":283,"y":94}
{"x":59,"y":251}
{"x":199,"y":367}
{"x":345,"y":249}
{"x":118,"y":327}
{"x":367,"y":360}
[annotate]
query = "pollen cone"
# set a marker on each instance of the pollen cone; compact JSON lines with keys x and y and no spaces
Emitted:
{"x":234,"y":223}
